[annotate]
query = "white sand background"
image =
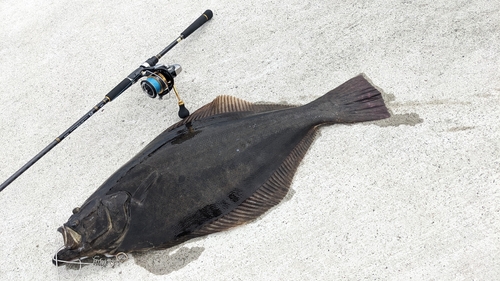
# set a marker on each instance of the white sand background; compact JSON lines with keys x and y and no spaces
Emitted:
{"x":414,"y":197}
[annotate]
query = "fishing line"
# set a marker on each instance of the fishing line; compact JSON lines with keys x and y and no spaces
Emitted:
{"x":70,"y":262}
{"x":98,"y":261}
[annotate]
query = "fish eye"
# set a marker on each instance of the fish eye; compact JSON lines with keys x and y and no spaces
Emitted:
{"x":74,"y":223}
{"x":76,"y":210}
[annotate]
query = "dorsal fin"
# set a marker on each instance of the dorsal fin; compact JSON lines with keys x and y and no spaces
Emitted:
{"x":267,"y":196}
{"x":227,"y":104}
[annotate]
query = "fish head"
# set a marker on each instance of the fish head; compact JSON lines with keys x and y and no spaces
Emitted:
{"x":98,"y":227}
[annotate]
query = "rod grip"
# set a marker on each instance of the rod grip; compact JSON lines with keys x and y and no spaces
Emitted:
{"x":206,"y":16}
{"x":120,"y":88}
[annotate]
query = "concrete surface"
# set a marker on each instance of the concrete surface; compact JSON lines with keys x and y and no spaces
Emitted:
{"x":414,"y":197}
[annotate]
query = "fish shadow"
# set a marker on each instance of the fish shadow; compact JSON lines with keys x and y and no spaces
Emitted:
{"x":163,"y":262}
{"x":159,"y":262}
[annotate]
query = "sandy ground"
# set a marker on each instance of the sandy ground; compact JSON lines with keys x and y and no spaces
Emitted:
{"x":414,"y":197}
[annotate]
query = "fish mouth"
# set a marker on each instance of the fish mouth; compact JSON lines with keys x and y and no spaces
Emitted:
{"x":67,"y":256}
{"x":72,"y":239}
{"x":72,"y":246}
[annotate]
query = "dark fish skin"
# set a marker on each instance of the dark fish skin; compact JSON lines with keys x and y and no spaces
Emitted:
{"x":226,"y":164}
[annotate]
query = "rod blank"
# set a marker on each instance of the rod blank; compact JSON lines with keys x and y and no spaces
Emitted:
{"x":53,"y":143}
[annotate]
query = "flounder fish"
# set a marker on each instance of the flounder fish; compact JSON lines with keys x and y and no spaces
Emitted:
{"x":224,"y":165}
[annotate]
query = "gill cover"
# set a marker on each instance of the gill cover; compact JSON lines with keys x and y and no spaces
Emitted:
{"x":98,"y":227}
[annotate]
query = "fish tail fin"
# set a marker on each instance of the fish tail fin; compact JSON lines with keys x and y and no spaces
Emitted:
{"x":356,"y":100}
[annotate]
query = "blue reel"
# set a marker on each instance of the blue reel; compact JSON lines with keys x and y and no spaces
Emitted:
{"x":160,"y":80}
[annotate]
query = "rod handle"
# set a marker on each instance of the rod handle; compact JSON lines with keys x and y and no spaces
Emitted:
{"x":120,"y":88}
{"x":206,"y":16}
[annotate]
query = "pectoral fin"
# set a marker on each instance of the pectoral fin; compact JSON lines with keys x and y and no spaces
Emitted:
{"x":141,"y":192}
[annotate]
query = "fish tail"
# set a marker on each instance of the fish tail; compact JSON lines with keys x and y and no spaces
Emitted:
{"x":356,"y":100}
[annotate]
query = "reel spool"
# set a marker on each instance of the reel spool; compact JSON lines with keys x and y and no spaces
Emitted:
{"x":159,"y":81}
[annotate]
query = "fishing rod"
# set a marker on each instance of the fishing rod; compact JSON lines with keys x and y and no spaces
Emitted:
{"x":159,"y":81}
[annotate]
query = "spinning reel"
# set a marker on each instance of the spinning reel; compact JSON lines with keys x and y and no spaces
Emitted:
{"x":160,"y":81}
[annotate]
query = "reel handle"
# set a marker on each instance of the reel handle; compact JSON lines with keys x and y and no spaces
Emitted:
{"x":206,"y":16}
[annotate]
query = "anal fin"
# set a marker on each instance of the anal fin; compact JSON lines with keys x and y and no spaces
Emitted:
{"x":267,"y":196}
